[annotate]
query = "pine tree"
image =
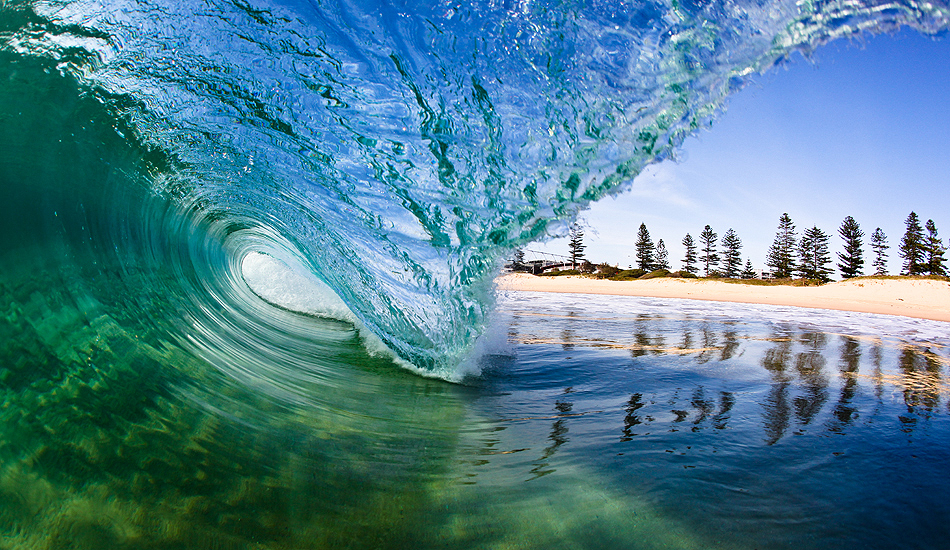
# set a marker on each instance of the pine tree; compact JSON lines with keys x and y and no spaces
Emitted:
{"x":731,"y":254}
{"x":851,"y":261}
{"x":575,"y":245}
{"x":781,"y":256}
{"x":662,"y":257}
{"x":748,"y":272}
{"x":709,"y":257}
{"x":517,"y":262}
{"x":880,"y":246}
{"x":644,"y":249}
{"x":689,"y":262}
{"x":935,"y":251}
{"x":813,"y":251}
{"x":912,"y":247}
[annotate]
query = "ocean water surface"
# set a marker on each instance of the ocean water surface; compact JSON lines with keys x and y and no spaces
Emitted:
{"x":246,"y":299}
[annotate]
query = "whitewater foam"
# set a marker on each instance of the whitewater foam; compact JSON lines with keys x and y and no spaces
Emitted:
{"x":297,"y":290}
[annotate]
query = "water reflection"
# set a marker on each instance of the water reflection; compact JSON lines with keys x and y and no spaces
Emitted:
{"x":726,"y":401}
{"x":849,"y":366}
{"x":730,"y":345}
{"x":558,"y":437}
{"x":646,"y":341}
{"x":632,"y":420}
{"x":878,"y":374}
{"x":567,"y":335}
{"x":809,"y":365}
{"x":810,"y":379}
{"x":704,"y":410}
{"x":710,"y":343}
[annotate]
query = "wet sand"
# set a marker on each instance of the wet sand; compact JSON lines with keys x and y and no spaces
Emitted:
{"x":919,"y":298}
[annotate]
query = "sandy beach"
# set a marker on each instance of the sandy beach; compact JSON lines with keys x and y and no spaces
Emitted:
{"x":921,"y":298}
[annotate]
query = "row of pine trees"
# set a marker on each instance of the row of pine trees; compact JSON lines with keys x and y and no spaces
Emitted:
{"x":807,"y":256}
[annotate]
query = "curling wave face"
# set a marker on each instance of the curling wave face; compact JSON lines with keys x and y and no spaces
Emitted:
{"x":394,"y":151}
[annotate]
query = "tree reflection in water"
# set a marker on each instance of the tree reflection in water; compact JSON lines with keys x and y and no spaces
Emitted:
{"x":798,"y":390}
{"x":810,"y":364}
{"x":731,"y":416}
{"x":777,"y":407}
{"x":849,"y":366}
{"x":632,"y":420}
{"x":557,"y":438}
{"x":921,"y":384}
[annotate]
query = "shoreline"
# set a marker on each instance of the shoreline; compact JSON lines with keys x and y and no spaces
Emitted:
{"x":917,"y":298}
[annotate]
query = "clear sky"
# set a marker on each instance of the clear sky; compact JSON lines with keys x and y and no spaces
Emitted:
{"x":861,"y":129}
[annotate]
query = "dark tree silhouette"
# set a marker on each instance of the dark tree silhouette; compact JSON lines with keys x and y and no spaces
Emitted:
{"x":517,"y":261}
{"x":575,"y":245}
{"x":935,"y":251}
{"x":748,"y":272}
{"x":662,"y":256}
{"x":851,"y":261}
{"x":781,"y":256}
{"x":731,"y":254}
{"x":913,"y":246}
{"x":813,"y":251}
{"x":689,"y":262}
{"x":645,"y":249}
{"x":880,"y":246}
{"x":709,"y":257}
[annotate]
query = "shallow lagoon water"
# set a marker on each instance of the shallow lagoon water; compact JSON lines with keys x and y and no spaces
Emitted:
{"x":596,"y":422}
{"x":742,"y":426}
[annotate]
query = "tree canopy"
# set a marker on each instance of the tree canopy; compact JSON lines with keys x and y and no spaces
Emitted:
{"x":689,"y":261}
{"x":912,"y":246}
{"x":782,"y":253}
{"x":748,"y":272}
{"x":731,"y":254}
{"x":575,"y":244}
{"x":807,"y":255}
{"x":851,"y":260}
{"x":880,"y":246}
{"x":709,"y":257}
{"x":661,"y":258}
{"x":934,"y":251}
{"x":814,"y":255}
{"x":645,"y":249}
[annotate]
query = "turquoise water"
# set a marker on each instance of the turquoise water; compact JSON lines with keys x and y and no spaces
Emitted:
{"x":246,"y":263}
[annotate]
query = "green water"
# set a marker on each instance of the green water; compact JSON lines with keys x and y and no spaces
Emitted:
{"x":597,"y":429}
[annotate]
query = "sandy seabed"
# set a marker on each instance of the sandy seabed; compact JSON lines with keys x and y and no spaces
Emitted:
{"x":919,"y":298}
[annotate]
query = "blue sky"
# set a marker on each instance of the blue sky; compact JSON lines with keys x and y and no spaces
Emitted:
{"x":861,"y":129}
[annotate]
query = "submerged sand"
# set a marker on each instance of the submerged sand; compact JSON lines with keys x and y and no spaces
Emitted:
{"x":919,"y":298}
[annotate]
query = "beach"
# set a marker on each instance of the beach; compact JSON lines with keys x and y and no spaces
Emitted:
{"x":918,"y":298}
